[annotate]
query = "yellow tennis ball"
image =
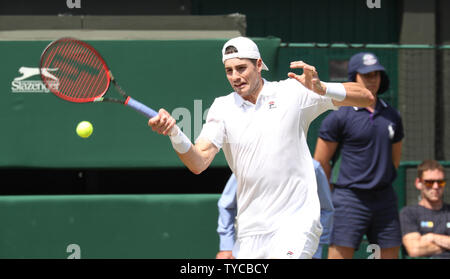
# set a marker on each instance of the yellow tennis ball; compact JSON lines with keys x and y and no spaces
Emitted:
{"x":84,"y":129}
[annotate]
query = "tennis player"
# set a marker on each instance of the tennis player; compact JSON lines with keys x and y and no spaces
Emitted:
{"x":228,"y":210}
{"x":262,"y":128}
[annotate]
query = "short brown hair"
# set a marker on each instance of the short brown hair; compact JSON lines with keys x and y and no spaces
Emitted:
{"x":233,"y":49}
{"x":230,"y":49}
{"x":428,"y":165}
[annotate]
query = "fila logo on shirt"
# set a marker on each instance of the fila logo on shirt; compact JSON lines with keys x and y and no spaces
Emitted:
{"x":272,"y":104}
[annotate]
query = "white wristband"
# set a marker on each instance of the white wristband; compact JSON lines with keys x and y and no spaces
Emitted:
{"x":180,"y":142}
{"x":336,"y":91}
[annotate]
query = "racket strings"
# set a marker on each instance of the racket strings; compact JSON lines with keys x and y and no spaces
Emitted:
{"x":80,"y":72}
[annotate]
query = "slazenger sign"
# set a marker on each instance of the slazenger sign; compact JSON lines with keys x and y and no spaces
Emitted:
{"x":23,"y":83}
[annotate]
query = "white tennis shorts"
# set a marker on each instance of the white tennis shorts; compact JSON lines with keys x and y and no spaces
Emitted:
{"x":285,"y":243}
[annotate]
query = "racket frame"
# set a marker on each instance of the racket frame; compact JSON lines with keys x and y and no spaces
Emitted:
{"x":128,"y":101}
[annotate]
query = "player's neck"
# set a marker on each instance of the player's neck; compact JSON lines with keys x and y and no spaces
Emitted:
{"x":252,"y":98}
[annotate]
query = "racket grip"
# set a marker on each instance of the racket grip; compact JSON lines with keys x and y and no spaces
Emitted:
{"x":138,"y":106}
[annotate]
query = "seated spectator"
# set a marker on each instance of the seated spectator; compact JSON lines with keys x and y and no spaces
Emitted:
{"x":426,"y":226}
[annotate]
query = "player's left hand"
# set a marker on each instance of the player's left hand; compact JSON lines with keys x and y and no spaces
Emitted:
{"x":309,"y":78}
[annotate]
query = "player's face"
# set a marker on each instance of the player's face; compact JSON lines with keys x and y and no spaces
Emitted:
{"x":370,"y":80}
{"x":245,"y":77}
{"x":435,"y":192}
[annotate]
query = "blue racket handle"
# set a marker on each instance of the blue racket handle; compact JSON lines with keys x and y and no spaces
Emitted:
{"x":138,"y":106}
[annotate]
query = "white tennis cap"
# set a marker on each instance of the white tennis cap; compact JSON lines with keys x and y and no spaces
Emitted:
{"x":246,"y":48}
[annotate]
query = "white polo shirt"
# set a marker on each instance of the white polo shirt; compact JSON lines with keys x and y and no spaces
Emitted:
{"x":265,"y":146}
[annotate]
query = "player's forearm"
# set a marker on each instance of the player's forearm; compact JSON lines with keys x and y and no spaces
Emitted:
{"x":356,"y":95}
{"x":196,"y":157}
{"x":195,"y":160}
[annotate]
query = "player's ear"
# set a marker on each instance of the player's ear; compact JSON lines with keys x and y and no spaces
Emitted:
{"x":259,"y":64}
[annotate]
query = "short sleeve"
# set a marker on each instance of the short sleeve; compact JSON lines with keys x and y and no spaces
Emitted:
{"x":399,"y":133}
{"x":330,"y":129}
{"x":312,"y":104}
{"x":408,"y":221}
{"x":214,"y":128}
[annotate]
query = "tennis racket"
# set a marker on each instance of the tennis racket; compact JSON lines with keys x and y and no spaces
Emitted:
{"x":74,"y":71}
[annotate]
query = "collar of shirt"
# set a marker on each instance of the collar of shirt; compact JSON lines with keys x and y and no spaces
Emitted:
{"x":380,"y":105}
{"x":265,"y":91}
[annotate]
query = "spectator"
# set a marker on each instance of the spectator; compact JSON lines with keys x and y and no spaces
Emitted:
{"x":426,"y":225}
{"x":370,"y":142}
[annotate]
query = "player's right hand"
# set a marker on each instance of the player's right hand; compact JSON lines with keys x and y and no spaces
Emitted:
{"x":162,"y":123}
{"x":225,"y":255}
{"x":309,"y":78}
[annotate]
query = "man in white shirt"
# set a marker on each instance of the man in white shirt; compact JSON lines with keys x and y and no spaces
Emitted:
{"x":227,"y":206}
{"x":262,"y":128}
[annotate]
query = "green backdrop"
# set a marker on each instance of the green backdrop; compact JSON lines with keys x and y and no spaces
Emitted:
{"x":109,"y":226}
{"x":184,"y":77}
